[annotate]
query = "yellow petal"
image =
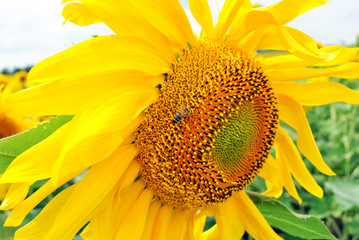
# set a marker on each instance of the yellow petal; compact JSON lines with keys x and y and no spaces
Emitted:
{"x":332,"y":55}
{"x":38,"y":228}
{"x":101,"y":54}
{"x":299,"y":43}
{"x":101,"y":226}
{"x":339,"y":55}
{"x":195,"y":224}
{"x":151,"y":217}
{"x":79,"y":14}
{"x":252,"y":219}
{"x":287,"y":177}
{"x":235,"y":32}
{"x":202,"y":13}
{"x":162,"y":222}
{"x":18,"y":214}
{"x":293,"y":114}
{"x":132,"y":172}
{"x":3,"y":190}
{"x":263,"y":38}
{"x":86,"y":234}
{"x":253,"y":20}
{"x":15,"y":195}
{"x":210,"y":234}
{"x":286,"y":10}
{"x":103,"y":124}
{"x":295,"y":163}
{"x":178,"y":224}
{"x":271,"y":172}
{"x":105,"y":223}
{"x":347,"y":70}
{"x":317,"y":93}
{"x":61,"y":94}
{"x":124,"y":201}
{"x":276,"y":14}
{"x":84,"y":202}
{"x":145,"y":19}
{"x":226,"y":16}
{"x":169,"y":18}
{"x":135,"y":218}
{"x":228,"y":220}
{"x":36,"y":163}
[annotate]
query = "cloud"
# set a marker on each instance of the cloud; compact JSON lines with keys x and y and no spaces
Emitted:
{"x":32,"y":30}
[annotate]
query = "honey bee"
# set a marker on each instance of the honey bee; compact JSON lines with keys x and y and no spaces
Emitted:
{"x":183,"y":112}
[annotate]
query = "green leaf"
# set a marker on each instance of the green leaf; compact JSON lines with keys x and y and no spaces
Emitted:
{"x":324,"y":207}
{"x":345,"y":193}
{"x":13,"y":146}
{"x":353,"y":225}
{"x":298,"y":225}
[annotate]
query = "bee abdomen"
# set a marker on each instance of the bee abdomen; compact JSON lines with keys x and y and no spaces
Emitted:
{"x":177,"y":118}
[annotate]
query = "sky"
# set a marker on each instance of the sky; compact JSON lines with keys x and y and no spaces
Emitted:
{"x":32,"y":30}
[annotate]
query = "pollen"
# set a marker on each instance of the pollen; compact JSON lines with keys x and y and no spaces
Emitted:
{"x":201,"y":158}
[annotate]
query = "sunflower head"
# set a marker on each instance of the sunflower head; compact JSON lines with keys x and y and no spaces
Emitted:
{"x":192,"y":160}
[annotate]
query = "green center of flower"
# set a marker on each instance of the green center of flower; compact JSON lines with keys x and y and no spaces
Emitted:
{"x":233,"y":145}
{"x":211,"y":128}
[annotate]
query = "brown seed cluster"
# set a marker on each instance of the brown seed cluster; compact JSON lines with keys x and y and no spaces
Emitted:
{"x":220,"y":146}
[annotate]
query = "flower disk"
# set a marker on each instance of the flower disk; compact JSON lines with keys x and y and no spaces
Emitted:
{"x":218,"y":148}
{"x":8,"y":126}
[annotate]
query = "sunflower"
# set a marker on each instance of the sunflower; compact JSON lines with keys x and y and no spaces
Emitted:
{"x":171,"y":127}
{"x":10,"y":121}
{"x":21,"y":78}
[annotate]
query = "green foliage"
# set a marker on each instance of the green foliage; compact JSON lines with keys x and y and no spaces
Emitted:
{"x":13,"y":146}
{"x":298,"y":225}
{"x":345,"y":193}
{"x":7,"y":233}
{"x":15,"y":70}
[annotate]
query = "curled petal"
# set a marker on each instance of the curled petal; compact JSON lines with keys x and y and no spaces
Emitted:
{"x":79,"y":14}
{"x":295,"y":163}
{"x":317,"y":93}
{"x":287,"y":177}
{"x":286,"y":10}
{"x":271,"y":172}
{"x":347,"y":70}
{"x":293,"y":114}
{"x":332,"y":55}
